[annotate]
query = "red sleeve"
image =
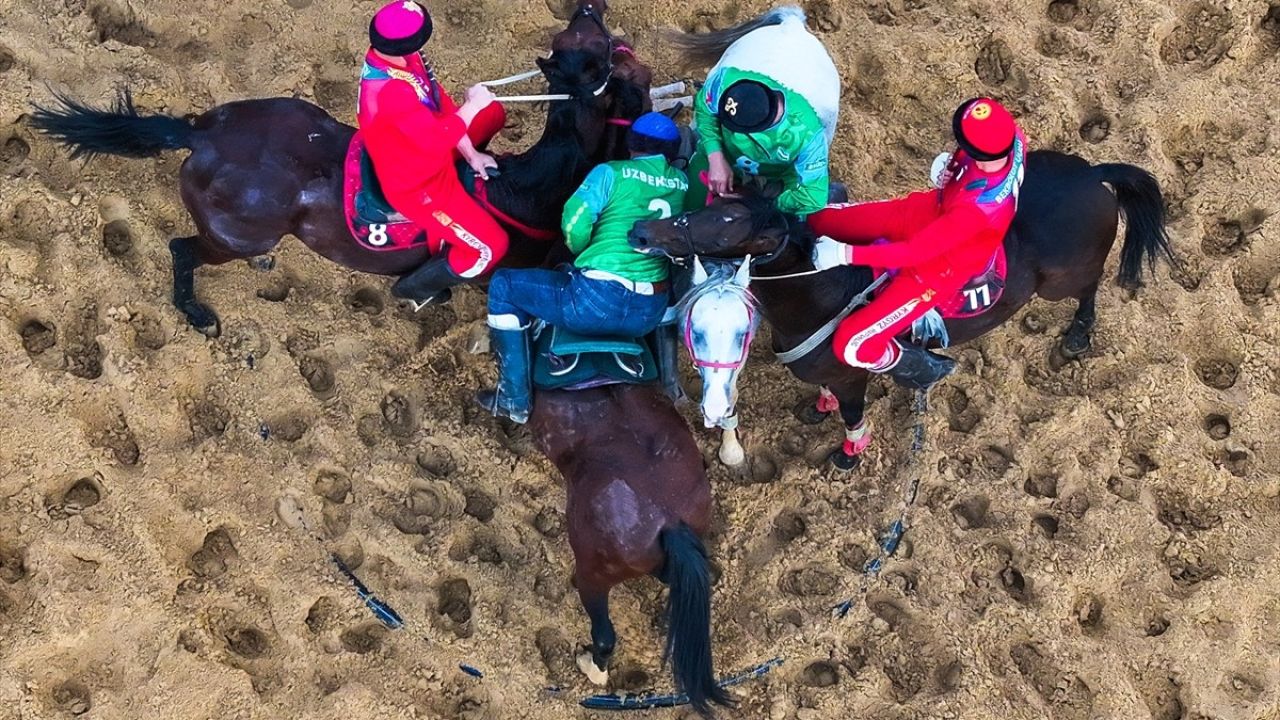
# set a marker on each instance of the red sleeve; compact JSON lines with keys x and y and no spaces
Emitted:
{"x":436,"y":136}
{"x":952,"y":229}
{"x":446,"y":103}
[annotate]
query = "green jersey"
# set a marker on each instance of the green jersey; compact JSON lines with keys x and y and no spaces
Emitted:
{"x":614,"y":197}
{"x":792,"y":152}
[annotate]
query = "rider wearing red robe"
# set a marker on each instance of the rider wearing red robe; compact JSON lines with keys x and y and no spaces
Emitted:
{"x":937,"y":241}
{"x":414,"y":134}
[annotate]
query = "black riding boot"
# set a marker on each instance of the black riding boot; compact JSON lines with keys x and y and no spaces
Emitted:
{"x":666,"y":348}
{"x":512,"y":398}
{"x":920,"y":369}
{"x":429,"y":284}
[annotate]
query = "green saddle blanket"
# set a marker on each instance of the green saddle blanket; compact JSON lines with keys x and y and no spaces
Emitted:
{"x":566,"y":360}
{"x":372,"y":207}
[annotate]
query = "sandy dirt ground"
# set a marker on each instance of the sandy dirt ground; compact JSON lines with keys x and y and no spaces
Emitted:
{"x":1094,"y":539}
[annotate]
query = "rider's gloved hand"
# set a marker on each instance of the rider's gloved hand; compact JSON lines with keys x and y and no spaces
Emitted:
{"x":479,"y":95}
{"x":940,"y":173}
{"x":828,"y":253}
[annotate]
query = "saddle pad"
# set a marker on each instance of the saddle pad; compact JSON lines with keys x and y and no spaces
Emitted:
{"x":978,"y":295}
{"x":981,"y":293}
{"x":565,"y":343}
{"x":370,"y":218}
{"x":593,"y":362}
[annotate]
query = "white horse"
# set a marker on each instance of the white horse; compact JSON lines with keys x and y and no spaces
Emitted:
{"x":718,"y":320}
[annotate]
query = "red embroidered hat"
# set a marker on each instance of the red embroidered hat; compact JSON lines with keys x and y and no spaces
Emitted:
{"x":984,"y":129}
{"x":400,"y":28}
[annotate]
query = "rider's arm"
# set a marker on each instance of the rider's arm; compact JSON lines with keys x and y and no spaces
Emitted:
{"x":952,"y":229}
{"x":584,"y":208}
{"x":435,"y":136}
{"x":813,"y":183}
{"x":704,"y":114}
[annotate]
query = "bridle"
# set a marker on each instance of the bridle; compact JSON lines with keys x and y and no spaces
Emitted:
{"x":681,"y":224}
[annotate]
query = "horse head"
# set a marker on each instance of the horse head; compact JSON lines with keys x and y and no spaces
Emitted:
{"x":729,"y":227}
{"x":718,"y":320}
{"x":609,"y":86}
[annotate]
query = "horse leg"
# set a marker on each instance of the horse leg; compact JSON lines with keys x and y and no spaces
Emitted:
{"x":857,"y":436}
{"x":813,"y":413}
{"x":595,"y":665}
{"x":731,"y":452}
{"x":185,"y":261}
{"x":1077,"y":341}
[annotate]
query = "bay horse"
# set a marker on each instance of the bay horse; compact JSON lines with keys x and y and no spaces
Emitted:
{"x":638,"y":502}
{"x":262,"y":169}
{"x":1057,"y":247}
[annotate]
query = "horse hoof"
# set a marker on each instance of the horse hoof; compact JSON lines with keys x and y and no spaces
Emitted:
{"x":1073,"y":346}
{"x":843,"y":462}
{"x":808,"y":413}
{"x":732,"y":456}
{"x":262,"y":263}
{"x":204,"y":320}
{"x":593,"y":673}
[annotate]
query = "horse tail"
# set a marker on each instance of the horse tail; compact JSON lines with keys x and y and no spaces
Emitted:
{"x":689,"y":618}
{"x":706,"y":48}
{"x":117,"y":130}
{"x":1142,"y":204}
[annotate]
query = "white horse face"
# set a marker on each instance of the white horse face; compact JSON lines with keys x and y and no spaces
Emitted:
{"x":718,"y":327}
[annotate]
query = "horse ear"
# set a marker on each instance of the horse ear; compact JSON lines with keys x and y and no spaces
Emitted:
{"x":699,"y":272}
{"x":743,"y":277}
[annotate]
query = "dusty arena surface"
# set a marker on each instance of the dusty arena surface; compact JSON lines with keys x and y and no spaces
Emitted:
{"x":1094,"y":538}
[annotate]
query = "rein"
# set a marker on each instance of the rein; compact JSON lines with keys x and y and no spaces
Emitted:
{"x":481,"y":196}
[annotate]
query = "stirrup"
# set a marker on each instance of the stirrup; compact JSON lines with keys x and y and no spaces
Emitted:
{"x":440,"y":298}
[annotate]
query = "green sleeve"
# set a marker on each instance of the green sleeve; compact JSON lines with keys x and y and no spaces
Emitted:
{"x":704,"y":113}
{"x":584,"y":208}
{"x":813,"y":179}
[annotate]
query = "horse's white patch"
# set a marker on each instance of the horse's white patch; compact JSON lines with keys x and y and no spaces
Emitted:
{"x":719,"y":326}
{"x":593,"y":673}
{"x":795,"y":58}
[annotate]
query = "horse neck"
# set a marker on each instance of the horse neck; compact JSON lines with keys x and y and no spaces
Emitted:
{"x":797,"y":307}
{"x":535,"y":185}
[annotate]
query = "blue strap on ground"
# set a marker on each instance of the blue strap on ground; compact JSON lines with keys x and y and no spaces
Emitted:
{"x":384,"y":612}
{"x":613,"y":701}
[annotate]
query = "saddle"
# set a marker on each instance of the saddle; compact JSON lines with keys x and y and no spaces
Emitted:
{"x":376,"y":225}
{"x":564,"y":360}
{"x":370,"y":218}
{"x":977,"y":296}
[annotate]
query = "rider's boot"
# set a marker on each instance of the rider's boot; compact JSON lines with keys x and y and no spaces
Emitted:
{"x":512,"y":398}
{"x":429,"y":284}
{"x":666,"y":346}
{"x":920,"y":369}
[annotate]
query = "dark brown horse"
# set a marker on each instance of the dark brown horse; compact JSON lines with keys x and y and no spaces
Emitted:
{"x":638,"y":501}
{"x":263,"y":169}
{"x":1057,"y":247}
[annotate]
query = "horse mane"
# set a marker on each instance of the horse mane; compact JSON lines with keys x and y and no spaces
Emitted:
{"x":559,"y":149}
{"x":719,"y":275}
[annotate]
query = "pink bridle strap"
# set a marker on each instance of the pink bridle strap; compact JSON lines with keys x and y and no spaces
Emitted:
{"x":705,"y":178}
{"x":621,"y":122}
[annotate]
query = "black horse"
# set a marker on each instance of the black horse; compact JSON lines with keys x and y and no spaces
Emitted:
{"x":1057,"y":248}
{"x":263,"y":169}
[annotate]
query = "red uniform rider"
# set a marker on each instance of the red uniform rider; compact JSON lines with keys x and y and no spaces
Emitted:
{"x":937,"y":241}
{"x":414,"y":134}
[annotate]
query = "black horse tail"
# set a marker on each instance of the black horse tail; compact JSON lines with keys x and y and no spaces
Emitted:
{"x":706,"y":48}
{"x":117,"y":130}
{"x":689,"y":618}
{"x":1142,"y":203}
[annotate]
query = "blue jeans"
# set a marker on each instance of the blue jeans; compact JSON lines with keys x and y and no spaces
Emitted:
{"x":576,"y":303}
